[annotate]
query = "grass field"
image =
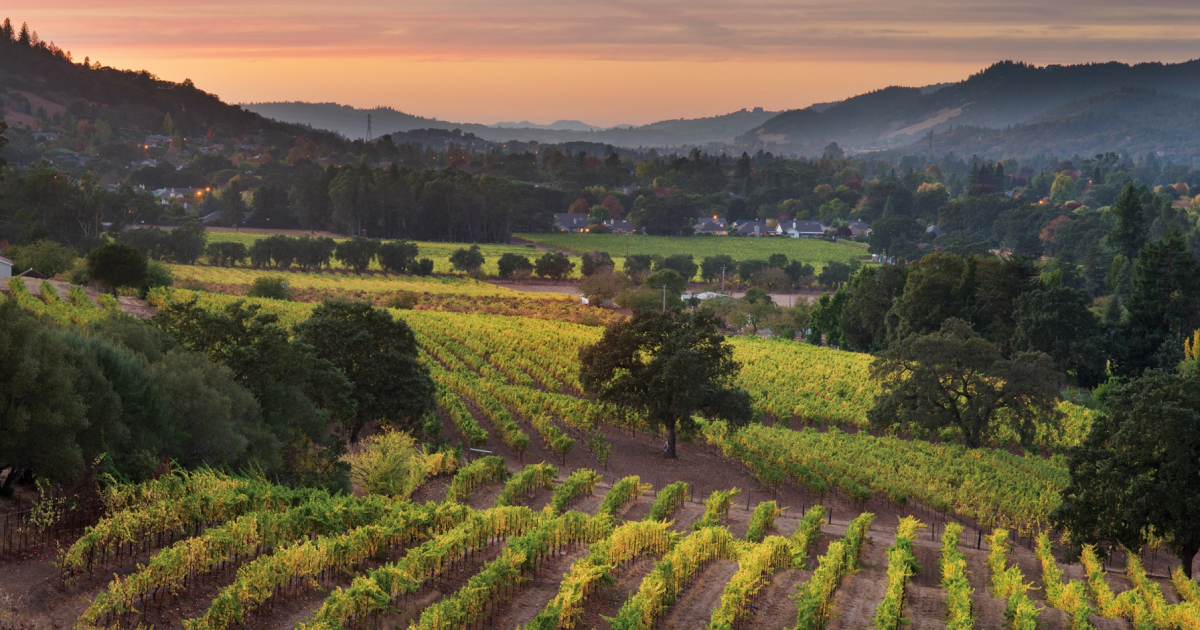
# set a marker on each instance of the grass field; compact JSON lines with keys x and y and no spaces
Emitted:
{"x":438,"y":252}
{"x":812,"y":251}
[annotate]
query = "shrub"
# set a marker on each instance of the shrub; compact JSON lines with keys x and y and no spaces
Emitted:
{"x":387,"y":465}
{"x":46,"y":256}
{"x":511,"y":265}
{"x":272,"y":288}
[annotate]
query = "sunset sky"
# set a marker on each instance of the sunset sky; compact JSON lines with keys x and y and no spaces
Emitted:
{"x":602,"y":61}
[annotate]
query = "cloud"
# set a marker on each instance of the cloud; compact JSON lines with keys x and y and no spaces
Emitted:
{"x":620,"y":29}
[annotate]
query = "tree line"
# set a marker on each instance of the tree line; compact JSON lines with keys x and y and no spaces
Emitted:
{"x":228,"y":388}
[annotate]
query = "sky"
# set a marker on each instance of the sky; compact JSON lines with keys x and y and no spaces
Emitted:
{"x":605,"y":62}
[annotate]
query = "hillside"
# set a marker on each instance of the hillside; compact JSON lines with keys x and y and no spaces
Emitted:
{"x":352,"y":123}
{"x":1059,"y":101}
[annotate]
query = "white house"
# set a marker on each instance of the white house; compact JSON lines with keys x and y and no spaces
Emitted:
{"x":801,"y":229}
{"x":6,"y":267}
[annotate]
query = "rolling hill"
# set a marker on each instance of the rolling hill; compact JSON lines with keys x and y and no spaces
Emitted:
{"x":1009,"y":109}
{"x":352,"y":123}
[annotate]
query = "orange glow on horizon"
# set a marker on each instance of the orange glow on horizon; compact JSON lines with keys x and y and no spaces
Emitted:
{"x":603,"y":63}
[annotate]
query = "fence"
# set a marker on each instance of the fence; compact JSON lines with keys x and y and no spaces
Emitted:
{"x":19,"y":536}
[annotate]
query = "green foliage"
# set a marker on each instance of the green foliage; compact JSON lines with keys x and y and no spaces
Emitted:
{"x":397,"y":257}
{"x":298,"y":391}
{"x":158,"y":275}
{"x":512,"y":265}
{"x":668,"y":500}
{"x":467,"y":260}
{"x":762,"y":520}
{"x":594,"y":262}
{"x":716,"y":506}
{"x":386,"y":463}
{"x":522,"y":484}
{"x":668,"y":365}
{"x":272,"y":288}
{"x":46,"y":256}
{"x":226,"y":254}
{"x":553,"y":265}
{"x":117,"y":265}
{"x":578,"y":484}
{"x":621,"y":493}
{"x":1149,"y":441}
{"x":954,"y":379}
{"x":357,"y":253}
{"x":470,"y":477}
{"x":378,"y":355}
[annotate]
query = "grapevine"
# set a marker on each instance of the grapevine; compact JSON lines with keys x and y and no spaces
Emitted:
{"x":902,"y":565}
{"x":522,"y":484}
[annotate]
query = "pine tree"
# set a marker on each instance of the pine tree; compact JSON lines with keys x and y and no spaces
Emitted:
{"x":7,"y":30}
{"x":1129,"y":230}
{"x":24,"y":37}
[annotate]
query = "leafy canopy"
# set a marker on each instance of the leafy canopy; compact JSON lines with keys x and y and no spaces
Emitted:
{"x":669,"y":366}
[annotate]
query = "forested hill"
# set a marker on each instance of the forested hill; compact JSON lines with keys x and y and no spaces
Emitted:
{"x":1008,"y":109}
{"x":39,"y":81}
{"x":352,"y":123}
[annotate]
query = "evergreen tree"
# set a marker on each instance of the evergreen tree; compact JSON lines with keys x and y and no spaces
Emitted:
{"x":1165,"y":305}
{"x":1129,"y":230}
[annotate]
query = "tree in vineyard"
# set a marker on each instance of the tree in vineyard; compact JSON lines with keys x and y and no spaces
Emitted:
{"x":670,"y":366}
{"x":1138,"y":471}
{"x":955,"y":379}
{"x":378,"y":354}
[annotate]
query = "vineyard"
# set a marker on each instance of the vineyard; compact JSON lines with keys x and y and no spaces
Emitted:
{"x":478,"y":545}
{"x":800,"y":521}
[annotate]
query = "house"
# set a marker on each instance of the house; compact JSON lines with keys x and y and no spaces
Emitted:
{"x":706,"y":295}
{"x":858,"y":228}
{"x":45,"y":136}
{"x":155,"y":140}
{"x":935,"y":231}
{"x":753,"y":228}
{"x":568,"y":222}
{"x":801,"y":229}
{"x":715,"y":225}
{"x":620,"y":226}
{"x":6,"y":267}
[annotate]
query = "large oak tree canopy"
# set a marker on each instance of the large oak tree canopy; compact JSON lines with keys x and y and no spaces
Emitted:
{"x":669,"y":366}
{"x":956,"y":379}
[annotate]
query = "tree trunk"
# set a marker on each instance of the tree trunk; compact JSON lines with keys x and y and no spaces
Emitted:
{"x":14,"y":474}
{"x":670,"y":451}
{"x":1187,"y":555}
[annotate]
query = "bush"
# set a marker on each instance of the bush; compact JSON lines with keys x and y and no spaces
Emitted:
{"x":554,"y":265}
{"x":46,"y":256}
{"x":404,"y":300}
{"x":225,"y":254}
{"x":116,"y":265}
{"x":467,"y":260}
{"x":272,"y":288}
{"x":514,"y":265}
{"x":387,"y":465}
{"x":422,"y":267}
{"x":594,"y":262}
{"x":397,"y":257}
{"x":357,"y":253}
{"x":157,"y":275}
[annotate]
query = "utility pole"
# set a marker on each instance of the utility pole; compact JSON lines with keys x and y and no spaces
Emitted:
{"x":664,"y":288}
{"x":722,"y":278}
{"x":368,"y":127}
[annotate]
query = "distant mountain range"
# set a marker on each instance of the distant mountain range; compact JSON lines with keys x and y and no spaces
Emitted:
{"x":1009,"y":109}
{"x":352,"y":123}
